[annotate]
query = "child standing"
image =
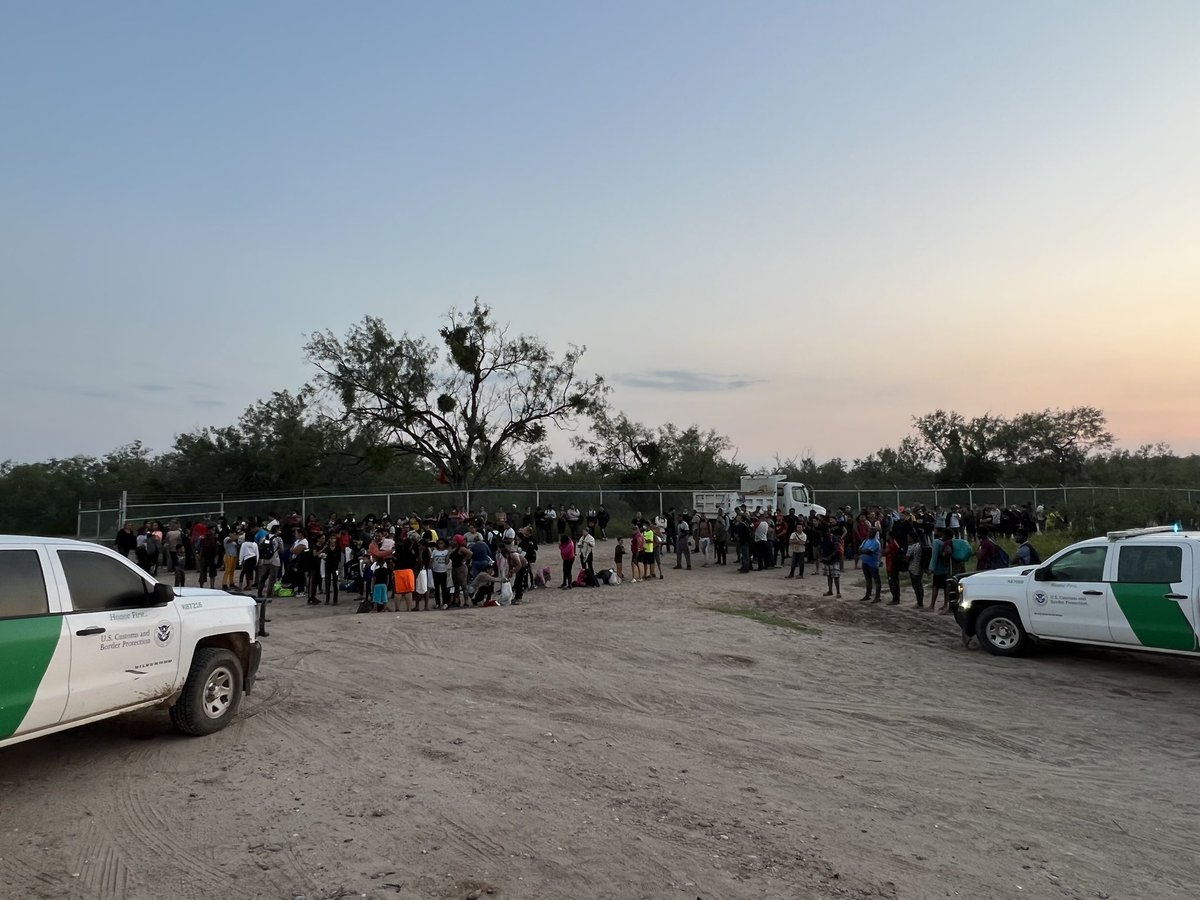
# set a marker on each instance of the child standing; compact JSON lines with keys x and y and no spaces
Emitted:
{"x":637,"y":545}
{"x":619,"y":558}
{"x":566,"y":549}
{"x":180,"y":559}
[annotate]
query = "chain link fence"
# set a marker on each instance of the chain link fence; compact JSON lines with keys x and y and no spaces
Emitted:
{"x":1090,"y":506}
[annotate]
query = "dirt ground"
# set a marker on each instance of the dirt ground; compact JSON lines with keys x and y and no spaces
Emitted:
{"x":629,"y":742}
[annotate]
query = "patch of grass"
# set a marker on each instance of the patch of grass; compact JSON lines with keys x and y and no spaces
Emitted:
{"x":763,"y":618}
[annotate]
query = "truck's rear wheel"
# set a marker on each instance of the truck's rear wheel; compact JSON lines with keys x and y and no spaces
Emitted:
{"x":212,"y":693}
{"x":1000,"y":631}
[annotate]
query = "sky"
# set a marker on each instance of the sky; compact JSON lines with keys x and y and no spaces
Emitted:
{"x":799,"y":224}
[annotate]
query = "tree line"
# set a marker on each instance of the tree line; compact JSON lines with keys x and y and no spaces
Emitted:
{"x":475,"y":406}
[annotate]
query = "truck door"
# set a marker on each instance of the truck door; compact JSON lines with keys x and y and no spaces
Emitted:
{"x":123,"y":650}
{"x":1153,"y":602}
{"x":35,"y":655}
{"x":1069,"y":596}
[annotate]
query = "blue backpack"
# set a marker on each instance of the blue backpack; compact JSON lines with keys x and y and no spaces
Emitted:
{"x":1000,"y":560}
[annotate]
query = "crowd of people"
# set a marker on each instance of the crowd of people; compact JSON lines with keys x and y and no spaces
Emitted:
{"x":458,"y":558}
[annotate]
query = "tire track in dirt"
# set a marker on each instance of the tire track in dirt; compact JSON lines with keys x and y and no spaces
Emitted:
{"x":200,"y":878}
{"x":100,"y":865}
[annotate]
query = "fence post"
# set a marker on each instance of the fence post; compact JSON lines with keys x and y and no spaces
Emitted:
{"x":660,"y":499}
{"x":858,"y":495}
{"x":468,"y":490}
{"x":601,"y":495}
{"x":99,"y":503}
{"x":537,"y":495}
{"x":303,"y":510}
{"x":935,"y":496}
{"x":897,"y":487}
{"x":79,"y":521}
{"x":1034,"y":498}
{"x":971,"y":496}
{"x":389,"y":506}
{"x":124,"y":507}
{"x":1004,"y":496}
{"x":222,"y":504}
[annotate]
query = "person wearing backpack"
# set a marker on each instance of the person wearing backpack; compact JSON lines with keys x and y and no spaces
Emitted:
{"x":991,"y":554}
{"x":1027,"y":554}
{"x":943,"y":550}
{"x":268,"y":560}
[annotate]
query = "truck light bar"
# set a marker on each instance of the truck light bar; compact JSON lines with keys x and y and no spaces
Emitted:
{"x":1134,"y":532}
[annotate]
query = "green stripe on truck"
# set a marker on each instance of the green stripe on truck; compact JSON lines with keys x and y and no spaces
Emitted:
{"x":26,"y":648}
{"x":1155,"y":620}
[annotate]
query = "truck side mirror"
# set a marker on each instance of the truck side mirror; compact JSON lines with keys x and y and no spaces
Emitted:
{"x":1041,"y":574}
{"x":162,"y":594}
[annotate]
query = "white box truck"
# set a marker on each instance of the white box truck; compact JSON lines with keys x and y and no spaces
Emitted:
{"x":765,"y":492}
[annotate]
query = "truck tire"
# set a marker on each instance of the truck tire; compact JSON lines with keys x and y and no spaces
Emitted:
{"x":1000,"y":631}
{"x":212,"y":693}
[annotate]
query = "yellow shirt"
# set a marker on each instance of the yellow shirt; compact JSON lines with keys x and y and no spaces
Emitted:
{"x":649,"y":536}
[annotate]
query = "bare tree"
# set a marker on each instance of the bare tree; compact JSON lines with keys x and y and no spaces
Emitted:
{"x":473,"y":408}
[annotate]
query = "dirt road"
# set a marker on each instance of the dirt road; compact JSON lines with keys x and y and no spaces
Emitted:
{"x":629,"y":742}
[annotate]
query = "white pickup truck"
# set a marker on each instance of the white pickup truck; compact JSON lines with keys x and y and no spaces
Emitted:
{"x":1136,"y":589}
{"x":85,"y":634}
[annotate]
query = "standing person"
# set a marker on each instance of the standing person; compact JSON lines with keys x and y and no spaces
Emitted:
{"x":683,"y":548}
{"x":268,"y":560}
{"x":943,"y":552}
{"x":207,"y":558}
{"x":603,"y":517}
{"x":178,"y":558}
{"x":316,"y":556}
{"x":869,"y":552}
{"x":893,"y":560}
{"x":660,"y":545}
{"x":721,"y":538}
{"x":743,"y":536}
{"x":782,"y":531}
{"x":912,"y":556}
{"x":704,"y":535}
{"x":126,"y":540}
{"x":404,"y":563}
{"x":333,"y":564}
{"x":566,"y":549}
{"x":619,"y":558}
{"x":381,"y":551}
{"x":585,"y":549}
{"x":762,"y":543}
{"x":528,"y":546}
{"x":174,"y":538}
{"x":649,"y":555}
{"x":247,"y":562}
{"x":832,"y":554}
{"x":460,"y":562}
{"x":152,"y":549}
{"x":797,"y":546}
{"x":637,"y":550}
{"x":1027,"y":554}
{"x":572,"y":518}
{"x":231,"y":561}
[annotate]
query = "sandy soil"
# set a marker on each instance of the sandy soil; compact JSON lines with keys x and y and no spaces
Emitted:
{"x":629,"y":742}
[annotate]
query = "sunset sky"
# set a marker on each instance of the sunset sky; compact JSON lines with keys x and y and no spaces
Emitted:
{"x":797,"y":223}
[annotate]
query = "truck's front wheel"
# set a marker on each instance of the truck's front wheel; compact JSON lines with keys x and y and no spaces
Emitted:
{"x":212,"y":693}
{"x":1000,"y":631}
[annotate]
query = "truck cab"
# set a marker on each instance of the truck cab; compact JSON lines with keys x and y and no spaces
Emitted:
{"x":85,"y":634}
{"x":1132,"y":589}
